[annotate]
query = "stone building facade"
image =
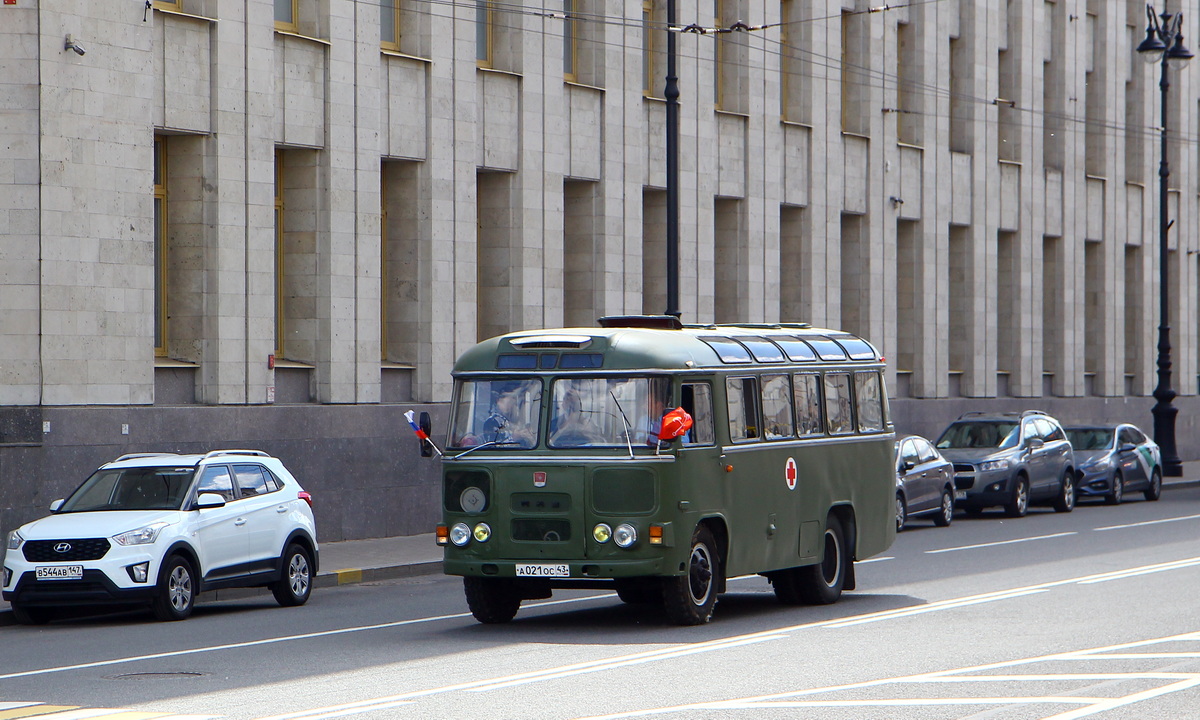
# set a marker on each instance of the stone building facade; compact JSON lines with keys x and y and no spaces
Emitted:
{"x":277,"y":222}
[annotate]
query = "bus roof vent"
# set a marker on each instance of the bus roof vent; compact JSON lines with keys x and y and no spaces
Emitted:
{"x":651,"y":322}
{"x":552,"y":342}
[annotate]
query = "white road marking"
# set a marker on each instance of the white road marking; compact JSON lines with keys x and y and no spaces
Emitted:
{"x":875,"y":559}
{"x":1001,"y":542}
{"x":1147,"y":522}
{"x":1091,"y":705}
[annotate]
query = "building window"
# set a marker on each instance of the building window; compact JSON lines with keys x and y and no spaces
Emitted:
{"x":160,"y":246}
{"x":279,"y":256}
{"x":389,"y":24}
{"x":483,"y":33}
{"x":654,"y":48}
{"x":168,"y":4}
{"x":570,"y":38}
{"x":285,"y":15}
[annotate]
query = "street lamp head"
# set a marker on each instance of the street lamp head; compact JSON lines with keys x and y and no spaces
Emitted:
{"x":1178,"y":55}
{"x":1152,"y":47}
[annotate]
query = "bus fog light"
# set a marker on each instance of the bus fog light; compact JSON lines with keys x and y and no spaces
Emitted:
{"x":482,"y":532}
{"x":625,"y":535}
{"x":602,"y":533}
{"x":460,"y":534}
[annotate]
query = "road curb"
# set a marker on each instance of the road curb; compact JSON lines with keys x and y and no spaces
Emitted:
{"x":326,"y":578}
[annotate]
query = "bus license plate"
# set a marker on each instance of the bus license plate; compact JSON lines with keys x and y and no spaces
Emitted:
{"x":559,"y":570}
{"x":59,"y":572}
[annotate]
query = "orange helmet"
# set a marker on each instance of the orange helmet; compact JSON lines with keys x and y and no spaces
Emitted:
{"x":675,"y":424}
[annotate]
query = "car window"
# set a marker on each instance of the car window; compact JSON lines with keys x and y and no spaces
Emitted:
{"x":925,"y":451}
{"x":147,"y":488}
{"x":1053,"y":433}
{"x":908,"y":452}
{"x":1090,"y":438}
{"x":216,"y":479}
{"x":979,"y":434}
{"x":254,"y":480}
{"x":1129,"y":436}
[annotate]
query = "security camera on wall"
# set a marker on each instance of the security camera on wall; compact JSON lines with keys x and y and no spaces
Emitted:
{"x":72,"y":44}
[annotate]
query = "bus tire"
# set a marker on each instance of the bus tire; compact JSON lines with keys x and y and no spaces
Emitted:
{"x":491,"y":600}
{"x":639,"y":591}
{"x":822,"y":583}
{"x":690,"y":599}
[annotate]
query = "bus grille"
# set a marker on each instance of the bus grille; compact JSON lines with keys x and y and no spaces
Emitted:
{"x":623,"y":491}
{"x":541,"y":529}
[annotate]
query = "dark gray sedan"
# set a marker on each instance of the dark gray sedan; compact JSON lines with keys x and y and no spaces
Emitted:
{"x":1113,"y":460}
{"x":924,"y":482}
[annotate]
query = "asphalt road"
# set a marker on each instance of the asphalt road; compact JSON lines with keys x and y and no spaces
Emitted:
{"x":1087,"y":614}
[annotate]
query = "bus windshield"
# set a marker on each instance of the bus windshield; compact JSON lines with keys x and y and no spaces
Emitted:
{"x":501,"y":412}
{"x":608,"y":411}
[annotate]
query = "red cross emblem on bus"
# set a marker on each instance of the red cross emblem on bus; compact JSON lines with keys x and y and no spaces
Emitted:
{"x":790,"y":473}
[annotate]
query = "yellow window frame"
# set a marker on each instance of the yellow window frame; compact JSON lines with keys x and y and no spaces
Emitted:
{"x":394,"y":43}
{"x":484,"y":10}
{"x":288,"y":25}
{"x":160,"y":246}
{"x":280,"y":320}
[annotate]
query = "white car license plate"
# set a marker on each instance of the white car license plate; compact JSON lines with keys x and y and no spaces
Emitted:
{"x":59,"y":572}
{"x":960,"y":494}
{"x":557,"y":570}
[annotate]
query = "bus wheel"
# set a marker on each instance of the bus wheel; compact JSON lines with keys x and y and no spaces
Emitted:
{"x":689,"y":599}
{"x":492,"y":600}
{"x":822,"y":584}
{"x":639,"y":591}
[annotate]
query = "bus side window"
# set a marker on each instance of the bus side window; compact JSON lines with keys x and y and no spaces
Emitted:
{"x":741,"y":394}
{"x":777,"y":407}
{"x":807,"y":392}
{"x":697,"y":401}
{"x":838,"y":410}
{"x":870,"y":407}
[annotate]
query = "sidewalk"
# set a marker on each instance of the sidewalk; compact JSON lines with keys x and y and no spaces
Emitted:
{"x":356,"y":561}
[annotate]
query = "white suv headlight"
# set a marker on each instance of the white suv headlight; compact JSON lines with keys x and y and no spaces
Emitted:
{"x":15,"y":540}
{"x":142,"y":536}
{"x":993,"y":465}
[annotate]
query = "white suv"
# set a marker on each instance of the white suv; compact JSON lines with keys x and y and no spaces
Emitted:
{"x":159,"y":529}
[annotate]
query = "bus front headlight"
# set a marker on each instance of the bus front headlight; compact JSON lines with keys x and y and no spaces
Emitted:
{"x":625,"y":535}
{"x":482,"y":532}
{"x":460,"y":534}
{"x":602,"y":533}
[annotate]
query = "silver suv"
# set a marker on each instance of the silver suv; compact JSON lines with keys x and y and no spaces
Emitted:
{"x":1010,"y":460}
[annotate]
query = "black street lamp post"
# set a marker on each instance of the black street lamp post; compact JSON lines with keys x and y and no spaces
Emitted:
{"x":1164,"y":45}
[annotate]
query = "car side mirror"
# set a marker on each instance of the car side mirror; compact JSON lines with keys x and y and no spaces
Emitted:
{"x":1035,"y":443}
{"x":54,"y":506}
{"x":1126,"y":448}
{"x":209,"y":500}
{"x":426,"y":425}
{"x":907,"y":465}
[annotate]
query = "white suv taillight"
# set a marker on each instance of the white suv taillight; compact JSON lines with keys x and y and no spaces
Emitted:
{"x":305,"y":497}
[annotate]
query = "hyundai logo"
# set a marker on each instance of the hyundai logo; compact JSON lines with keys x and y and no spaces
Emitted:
{"x":62,"y":547}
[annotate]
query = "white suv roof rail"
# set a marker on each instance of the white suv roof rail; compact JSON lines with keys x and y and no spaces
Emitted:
{"x":134,"y":456}
{"x":219,"y":453}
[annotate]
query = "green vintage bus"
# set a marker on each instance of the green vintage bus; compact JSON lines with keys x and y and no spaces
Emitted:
{"x":659,"y":459}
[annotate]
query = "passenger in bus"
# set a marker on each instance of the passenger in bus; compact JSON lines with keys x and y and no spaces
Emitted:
{"x":645,"y":429}
{"x":507,"y":424}
{"x":572,"y":426}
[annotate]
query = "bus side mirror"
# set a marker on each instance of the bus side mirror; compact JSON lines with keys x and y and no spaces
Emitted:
{"x":424,"y":423}
{"x":675,"y":423}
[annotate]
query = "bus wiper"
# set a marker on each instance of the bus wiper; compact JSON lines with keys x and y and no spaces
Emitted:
{"x":486,"y":444}
{"x":625,"y":420}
